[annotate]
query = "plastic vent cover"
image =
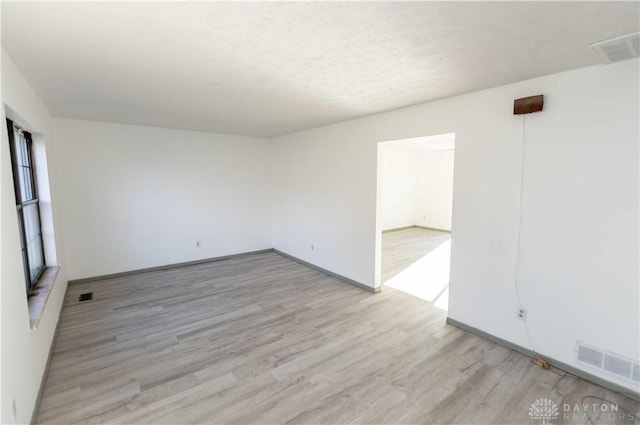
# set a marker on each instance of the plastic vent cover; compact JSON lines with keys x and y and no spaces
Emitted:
{"x":605,"y":361}
{"x":619,"y":48}
{"x":587,"y":355}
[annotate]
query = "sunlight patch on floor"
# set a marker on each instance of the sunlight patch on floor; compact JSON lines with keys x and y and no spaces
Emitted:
{"x":427,"y":278}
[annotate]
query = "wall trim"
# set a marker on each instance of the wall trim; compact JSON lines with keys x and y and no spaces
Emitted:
{"x":395,"y":229}
{"x":555,"y":363}
{"x":167,"y":267}
{"x":45,"y":374}
{"x":330,"y":273}
{"x":415,"y":226}
{"x":221,"y":258}
{"x":432,"y":228}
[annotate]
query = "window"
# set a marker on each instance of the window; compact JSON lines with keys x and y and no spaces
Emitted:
{"x":27,"y":204}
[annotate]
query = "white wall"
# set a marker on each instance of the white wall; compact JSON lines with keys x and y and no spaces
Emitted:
{"x":416,"y":186}
{"x":24,"y":351}
{"x":399,"y":184}
{"x":434,"y":189}
{"x":579,"y":256}
{"x":135,"y":197}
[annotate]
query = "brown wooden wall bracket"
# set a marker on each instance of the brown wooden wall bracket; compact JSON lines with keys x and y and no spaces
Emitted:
{"x":527,"y":105}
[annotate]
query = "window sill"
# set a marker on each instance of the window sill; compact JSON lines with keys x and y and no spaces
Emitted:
{"x":40,"y":295}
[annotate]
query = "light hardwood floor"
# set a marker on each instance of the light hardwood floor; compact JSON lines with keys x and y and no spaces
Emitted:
{"x":263,"y":339}
{"x":401,"y":248}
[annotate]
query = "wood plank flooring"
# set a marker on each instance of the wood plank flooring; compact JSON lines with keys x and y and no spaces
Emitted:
{"x":401,"y":248}
{"x":263,"y":339}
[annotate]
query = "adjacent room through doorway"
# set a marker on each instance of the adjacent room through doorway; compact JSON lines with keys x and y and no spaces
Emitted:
{"x":415,"y":212}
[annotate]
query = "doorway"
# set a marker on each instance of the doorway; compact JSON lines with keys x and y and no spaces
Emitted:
{"x":414,"y":216}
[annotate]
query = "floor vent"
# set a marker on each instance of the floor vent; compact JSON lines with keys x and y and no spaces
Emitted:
{"x":87,"y":296}
{"x":619,"y":49}
{"x":613,"y":364}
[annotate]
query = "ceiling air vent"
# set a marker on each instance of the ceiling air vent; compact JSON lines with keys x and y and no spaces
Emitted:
{"x":619,"y":48}
{"x":608,"y":362}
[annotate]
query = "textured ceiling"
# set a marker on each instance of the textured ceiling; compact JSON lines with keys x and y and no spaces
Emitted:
{"x":267,"y":69}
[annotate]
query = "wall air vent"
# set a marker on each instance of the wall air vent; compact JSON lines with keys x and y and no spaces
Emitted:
{"x":589,"y":356}
{"x":605,"y":361}
{"x":619,"y":48}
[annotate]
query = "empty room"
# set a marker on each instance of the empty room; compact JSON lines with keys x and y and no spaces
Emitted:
{"x":320,"y":212}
